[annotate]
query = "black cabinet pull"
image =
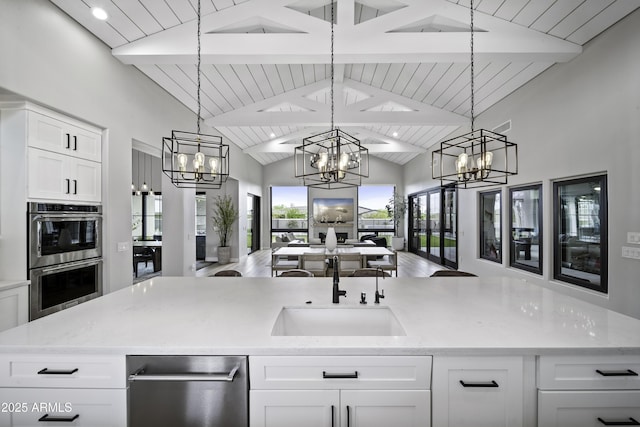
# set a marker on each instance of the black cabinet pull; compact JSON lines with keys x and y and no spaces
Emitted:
{"x":631,"y":422}
{"x":489,"y":384}
{"x":75,"y":143}
{"x":333,"y":416}
{"x":68,"y":140}
{"x":68,"y":185}
{"x":339,"y":376}
{"x":49,"y":418}
{"x":624,"y":373}
{"x":75,"y":186}
{"x":47,"y":371}
{"x":348,"y":416}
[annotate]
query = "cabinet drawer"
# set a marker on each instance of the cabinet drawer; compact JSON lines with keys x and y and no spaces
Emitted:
{"x":588,"y":372}
{"x":91,"y":408}
{"x":53,"y":371}
{"x":481,"y":391}
{"x":340,"y":372}
{"x":588,"y":408}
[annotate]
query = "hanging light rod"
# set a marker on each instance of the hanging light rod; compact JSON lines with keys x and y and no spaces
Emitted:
{"x":332,"y":159}
{"x":480,"y":158}
{"x":195,"y":160}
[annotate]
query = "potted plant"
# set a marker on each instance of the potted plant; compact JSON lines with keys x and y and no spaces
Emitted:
{"x":224,"y":216}
{"x":396,"y":208}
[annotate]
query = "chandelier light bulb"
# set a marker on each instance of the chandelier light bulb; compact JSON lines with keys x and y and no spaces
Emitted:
{"x":182,"y":162}
{"x":213,"y":165}
{"x":198,"y":162}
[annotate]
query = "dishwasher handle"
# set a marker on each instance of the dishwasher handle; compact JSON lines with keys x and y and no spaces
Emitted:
{"x":140,"y":376}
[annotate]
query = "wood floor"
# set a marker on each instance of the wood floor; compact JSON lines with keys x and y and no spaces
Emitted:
{"x":258,"y":264}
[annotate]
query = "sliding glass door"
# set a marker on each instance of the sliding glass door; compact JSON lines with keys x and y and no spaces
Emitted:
{"x":433,"y":225}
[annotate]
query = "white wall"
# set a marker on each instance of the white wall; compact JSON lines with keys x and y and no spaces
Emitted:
{"x":578,"y":118}
{"x":281,"y":173}
{"x":49,"y":58}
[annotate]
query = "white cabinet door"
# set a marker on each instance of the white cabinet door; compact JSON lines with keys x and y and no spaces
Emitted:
{"x":385,"y":408}
{"x":48,"y":177}
{"x":478,"y":391}
{"x":29,"y":407}
{"x":86,"y":180}
{"x":14,"y":307}
{"x":588,"y":408}
{"x":294,"y":408}
{"x":63,"y":137}
{"x":54,"y":176}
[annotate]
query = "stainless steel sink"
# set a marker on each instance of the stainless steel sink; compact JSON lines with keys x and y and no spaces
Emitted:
{"x":337,"y":321}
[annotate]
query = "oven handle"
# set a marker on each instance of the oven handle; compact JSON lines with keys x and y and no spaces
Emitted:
{"x":140,"y":376}
{"x":66,"y":217}
{"x":70,"y":265}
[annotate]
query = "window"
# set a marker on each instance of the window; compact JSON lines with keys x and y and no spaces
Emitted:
{"x":201,"y":214}
{"x":491,"y":226}
{"x":373,"y":216}
{"x":526,"y":228}
{"x":289,"y":212}
{"x":580,"y":230}
{"x":146,"y":212}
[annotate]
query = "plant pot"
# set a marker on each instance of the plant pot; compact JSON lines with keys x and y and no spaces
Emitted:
{"x":397,"y":243}
{"x":224,"y":254}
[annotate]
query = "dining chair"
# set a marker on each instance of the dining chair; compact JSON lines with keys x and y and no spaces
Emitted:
{"x":369,"y":272}
{"x":388,"y":262}
{"x":281,"y":263}
{"x":452,"y":273}
{"x":296,"y":273}
{"x":315,"y":263}
{"x":348,"y":263}
{"x":227,"y":273}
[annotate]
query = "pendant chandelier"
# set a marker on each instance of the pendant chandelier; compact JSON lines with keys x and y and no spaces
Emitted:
{"x":477,"y":159}
{"x":332,"y":159}
{"x":194,"y":160}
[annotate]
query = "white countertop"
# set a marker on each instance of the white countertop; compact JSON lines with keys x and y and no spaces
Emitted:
{"x":10,"y":284}
{"x":226,"y":315}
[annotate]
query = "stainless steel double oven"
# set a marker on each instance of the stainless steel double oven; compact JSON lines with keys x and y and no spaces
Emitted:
{"x":65,"y":256}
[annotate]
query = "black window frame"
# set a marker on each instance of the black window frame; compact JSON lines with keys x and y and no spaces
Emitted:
{"x":384,"y":232}
{"x":481,"y":209}
{"x":287,"y":230}
{"x":513,"y":262}
{"x":603,"y":286}
{"x":144,"y":216}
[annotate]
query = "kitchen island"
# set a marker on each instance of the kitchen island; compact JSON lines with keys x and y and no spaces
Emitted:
{"x":537,"y":342}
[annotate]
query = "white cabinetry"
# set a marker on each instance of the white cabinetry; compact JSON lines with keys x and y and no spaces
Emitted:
{"x":63,"y":159}
{"x":83,"y":390}
{"x":65,"y":136}
{"x":343,"y":391}
{"x":59,"y":177}
{"x":483,"y":391}
{"x":14,"y":303}
{"x":588,"y":391}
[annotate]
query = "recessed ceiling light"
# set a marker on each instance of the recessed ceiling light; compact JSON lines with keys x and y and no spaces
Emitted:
{"x":272,"y":135}
{"x":99,"y":13}
{"x":395,"y":134}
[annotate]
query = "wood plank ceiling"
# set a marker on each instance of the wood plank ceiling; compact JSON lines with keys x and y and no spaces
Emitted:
{"x":402,"y":66}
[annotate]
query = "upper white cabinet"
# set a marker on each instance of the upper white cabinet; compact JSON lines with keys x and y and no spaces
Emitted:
{"x":64,"y":136}
{"x":63,"y":156}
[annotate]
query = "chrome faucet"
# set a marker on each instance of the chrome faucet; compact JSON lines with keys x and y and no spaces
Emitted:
{"x":379,"y":294}
{"x":337,"y":293}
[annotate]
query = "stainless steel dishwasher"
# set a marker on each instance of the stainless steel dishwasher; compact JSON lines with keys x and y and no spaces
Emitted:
{"x":188,"y":391}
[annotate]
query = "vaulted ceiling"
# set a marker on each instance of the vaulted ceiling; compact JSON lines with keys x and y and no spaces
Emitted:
{"x":402,"y":74}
